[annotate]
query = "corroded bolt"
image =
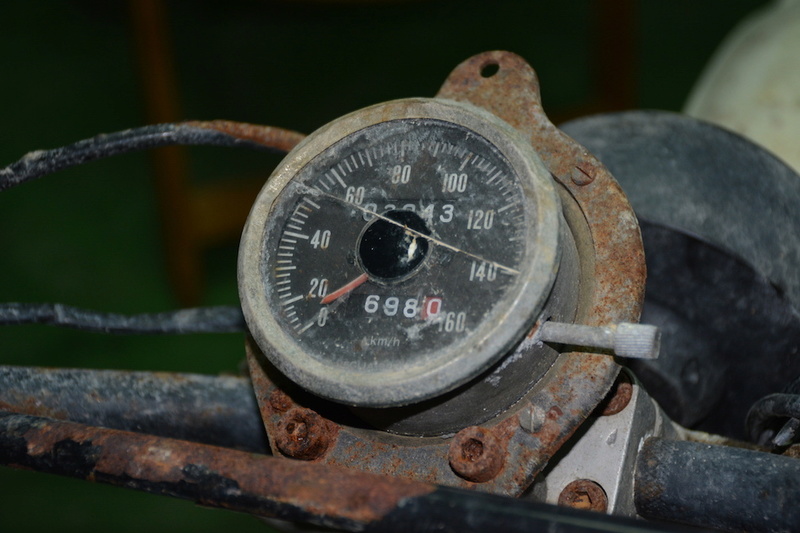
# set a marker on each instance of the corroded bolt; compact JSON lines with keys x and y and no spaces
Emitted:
{"x":583,"y":174}
{"x":476,"y":454}
{"x":280,"y":401}
{"x":618,"y":397}
{"x":303,"y":434}
{"x":584,"y":494}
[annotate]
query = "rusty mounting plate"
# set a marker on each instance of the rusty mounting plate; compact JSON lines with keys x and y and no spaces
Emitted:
{"x":611,"y":290}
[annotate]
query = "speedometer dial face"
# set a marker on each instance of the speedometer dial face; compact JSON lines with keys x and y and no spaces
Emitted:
{"x":399,"y":257}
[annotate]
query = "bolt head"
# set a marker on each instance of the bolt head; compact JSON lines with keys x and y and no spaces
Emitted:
{"x":583,"y":174}
{"x":531,"y":418}
{"x":303,"y":434}
{"x":476,"y":454}
{"x":584,"y":494}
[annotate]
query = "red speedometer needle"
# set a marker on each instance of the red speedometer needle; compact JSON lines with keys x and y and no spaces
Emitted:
{"x":338,"y":293}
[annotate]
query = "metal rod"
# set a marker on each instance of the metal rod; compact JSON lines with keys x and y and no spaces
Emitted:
{"x":217,"y":410}
{"x":275,"y":487}
{"x":640,"y":341}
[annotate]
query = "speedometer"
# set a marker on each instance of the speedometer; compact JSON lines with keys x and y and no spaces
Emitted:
{"x":399,"y":252}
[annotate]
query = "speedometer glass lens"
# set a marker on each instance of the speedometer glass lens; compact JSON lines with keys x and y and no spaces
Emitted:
{"x":399,"y":251}
{"x":395,"y":242}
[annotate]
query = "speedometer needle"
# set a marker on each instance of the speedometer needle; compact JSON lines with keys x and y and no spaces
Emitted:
{"x":338,"y":293}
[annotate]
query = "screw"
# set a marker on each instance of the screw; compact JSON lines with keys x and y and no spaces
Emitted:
{"x":303,"y":434}
{"x":476,"y":454}
{"x":584,"y":494}
{"x":280,"y":401}
{"x":583,"y":174}
{"x":531,"y":418}
{"x":618,"y":397}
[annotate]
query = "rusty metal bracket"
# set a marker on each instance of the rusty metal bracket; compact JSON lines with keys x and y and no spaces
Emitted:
{"x":612,"y":275}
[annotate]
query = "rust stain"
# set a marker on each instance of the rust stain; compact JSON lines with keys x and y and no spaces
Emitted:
{"x":269,"y":136}
{"x":584,"y":494}
{"x":618,"y":397}
{"x":280,"y":401}
{"x":121,"y":457}
{"x":615,"y":264}
{"x":28,"y":405}
{"x":303,"y":434}
{"x":476,"y":454}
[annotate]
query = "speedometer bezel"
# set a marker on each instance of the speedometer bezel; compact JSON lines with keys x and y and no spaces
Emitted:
{"x":450,"y":366}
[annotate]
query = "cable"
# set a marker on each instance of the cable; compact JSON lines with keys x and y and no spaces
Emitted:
{"x":768,"y":410}
{"x":216,"y":133}
{"x":43,"y":162}
{"x":221,"y":319}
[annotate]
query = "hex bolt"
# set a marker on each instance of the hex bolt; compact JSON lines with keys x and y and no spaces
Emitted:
{"x":303,"y":434}
{"x":476,"y":454}
{"x":531,"y":418}
{"x":584,"y":494}
{"x":639,"y":341}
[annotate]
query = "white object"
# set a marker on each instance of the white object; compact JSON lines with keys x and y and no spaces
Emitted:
{"x":752,"y":83}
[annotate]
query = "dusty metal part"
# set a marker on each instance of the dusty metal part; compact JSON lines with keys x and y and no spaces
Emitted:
{"x":584,"y":494}
{"x":217,"y":410}
{"x":638,"y":341}
{"x":476,"y":454}
{"x":702,"y":484}
{"x":611,"y":286}
{"x":605,"y":449}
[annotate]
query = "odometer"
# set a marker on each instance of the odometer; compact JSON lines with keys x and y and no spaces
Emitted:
{"x":399,"y":252}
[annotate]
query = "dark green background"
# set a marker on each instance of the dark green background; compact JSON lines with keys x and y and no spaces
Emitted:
{"x":90,"y":236}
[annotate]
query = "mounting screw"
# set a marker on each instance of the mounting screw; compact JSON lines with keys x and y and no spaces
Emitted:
{"x":583,"y":174}
{"x":280,"y":401}
{"x":303,"y":434}
{"x":476,"y":454}
{"x":531,"y":418}
{"x":618,"y":397}
{"x":584,"y":494}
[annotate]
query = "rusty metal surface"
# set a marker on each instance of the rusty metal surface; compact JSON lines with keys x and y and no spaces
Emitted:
{"x":584,"y":494}
{"x":618,"y":397}
{"x":273,"y":487}
{"x":607,"y":234}
{"x":476,"y":454}
{"x":268,"y":136}
{"x":611,"y":291}
{"x":218,"y":410}
{"x":208,"y":475}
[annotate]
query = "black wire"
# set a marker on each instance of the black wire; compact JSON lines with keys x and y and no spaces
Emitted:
{"x":221,"y":319}
{"x":770,"y":409}
{"x":42,"y":162}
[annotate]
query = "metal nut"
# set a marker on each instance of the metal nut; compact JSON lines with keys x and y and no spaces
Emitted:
{"x":584,"y":494}
{"x":476,"y":454}
{"x":303,"y":434}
